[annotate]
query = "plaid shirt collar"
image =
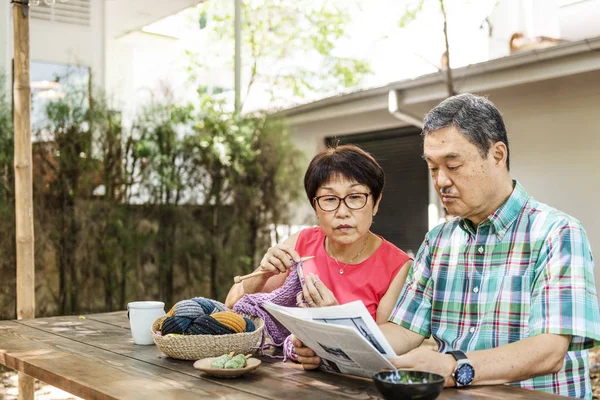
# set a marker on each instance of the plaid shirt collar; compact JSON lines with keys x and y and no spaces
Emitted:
{"x":505,"y":215}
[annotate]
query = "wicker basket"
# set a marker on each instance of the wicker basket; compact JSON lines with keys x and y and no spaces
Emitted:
{"x":195,"y":347}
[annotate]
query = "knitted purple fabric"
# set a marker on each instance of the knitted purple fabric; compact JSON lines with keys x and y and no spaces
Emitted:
{"x":288,"y":350}
{"x":252,"y":304}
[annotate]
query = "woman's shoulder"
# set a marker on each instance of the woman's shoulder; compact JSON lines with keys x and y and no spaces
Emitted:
{"x":310,"y":236}
{"x":390,"y":254}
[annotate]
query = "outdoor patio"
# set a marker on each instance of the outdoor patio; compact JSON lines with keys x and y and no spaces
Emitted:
{"x":155,"y":151}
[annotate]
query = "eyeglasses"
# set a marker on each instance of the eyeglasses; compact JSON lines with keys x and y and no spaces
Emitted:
{"x":331,"y":202}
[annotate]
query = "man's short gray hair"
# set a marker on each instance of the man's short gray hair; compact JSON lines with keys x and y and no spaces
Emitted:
{"x":474,"y":116}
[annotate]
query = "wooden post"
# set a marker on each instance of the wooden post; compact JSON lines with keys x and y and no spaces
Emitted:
{"x":23,"y":179}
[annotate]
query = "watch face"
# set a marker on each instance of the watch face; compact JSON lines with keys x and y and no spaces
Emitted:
{"x":465,"y":374}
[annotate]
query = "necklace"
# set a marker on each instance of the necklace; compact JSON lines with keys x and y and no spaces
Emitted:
{"x":353,"y":258}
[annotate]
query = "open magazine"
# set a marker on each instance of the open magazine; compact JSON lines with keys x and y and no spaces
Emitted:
{"x":345,"y":337}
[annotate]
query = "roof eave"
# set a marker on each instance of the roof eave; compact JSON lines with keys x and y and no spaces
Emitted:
{"x":560,"y":60}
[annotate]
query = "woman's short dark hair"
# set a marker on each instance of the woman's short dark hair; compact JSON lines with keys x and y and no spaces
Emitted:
{"x":349,"y":161}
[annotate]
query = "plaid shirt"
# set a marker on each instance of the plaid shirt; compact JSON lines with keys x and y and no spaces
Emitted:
{"x":524,"y":271}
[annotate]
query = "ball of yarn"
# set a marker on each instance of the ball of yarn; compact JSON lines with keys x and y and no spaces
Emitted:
{"x":175,"y":325}
{"x":171,"y":312}
{"x":207,"y":325}
{"x":202,"y":316}
{"x":210,"y":306}
{"x":160,"y":322}
{"x":232,"y":320}
{"x":188,"y":308}
{"x":250,"y":327}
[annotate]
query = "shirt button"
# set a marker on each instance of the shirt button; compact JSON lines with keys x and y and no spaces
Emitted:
{"x":480,"y":249}
{"x":476,"y":289}
{"x":472,"y":330}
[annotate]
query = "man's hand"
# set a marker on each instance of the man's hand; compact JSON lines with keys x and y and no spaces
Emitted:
{"x":306,"y":356}
{"x":427,"y":360}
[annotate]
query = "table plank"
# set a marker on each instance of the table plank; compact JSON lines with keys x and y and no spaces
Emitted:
{"x":268,"y":381}
{"x":358,"y":388}
{"x":116,"y":318}
{"x":106,"y":339}
{"x":92,"y":373}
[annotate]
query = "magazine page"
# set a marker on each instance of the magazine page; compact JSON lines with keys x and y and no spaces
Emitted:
{"x":353,"y":314}
{"x":343,"y":348}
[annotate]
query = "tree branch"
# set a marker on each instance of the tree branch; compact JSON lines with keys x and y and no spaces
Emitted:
{"x":449,"y":81}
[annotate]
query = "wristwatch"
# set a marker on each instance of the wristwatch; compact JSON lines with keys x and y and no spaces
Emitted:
{"x":464,"y":373}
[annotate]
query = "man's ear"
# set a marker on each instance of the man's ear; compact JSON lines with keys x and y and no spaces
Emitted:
{"x":499,"y":152}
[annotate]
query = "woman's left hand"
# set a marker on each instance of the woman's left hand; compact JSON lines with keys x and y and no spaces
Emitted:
{"x":315,"y":293}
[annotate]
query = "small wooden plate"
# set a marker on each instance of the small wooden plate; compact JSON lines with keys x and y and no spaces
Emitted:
{"x":204,"y":366}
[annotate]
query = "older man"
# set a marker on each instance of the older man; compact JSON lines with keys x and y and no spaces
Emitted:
{"x":507,"y":287}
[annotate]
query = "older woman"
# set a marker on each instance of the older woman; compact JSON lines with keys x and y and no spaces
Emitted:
{"x":344,"y":185}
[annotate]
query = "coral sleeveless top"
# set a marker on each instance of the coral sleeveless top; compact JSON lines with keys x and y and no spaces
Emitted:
{"x":367,"y":281}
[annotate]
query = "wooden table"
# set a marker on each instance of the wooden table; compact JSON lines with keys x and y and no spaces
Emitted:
{"x":95,"y":358}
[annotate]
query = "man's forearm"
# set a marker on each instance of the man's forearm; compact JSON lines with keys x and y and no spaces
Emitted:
{"x":401,"y":339}
{"x":525,"y":359}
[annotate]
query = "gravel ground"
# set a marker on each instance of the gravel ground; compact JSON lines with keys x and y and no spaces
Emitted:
{"x":9,"y":388}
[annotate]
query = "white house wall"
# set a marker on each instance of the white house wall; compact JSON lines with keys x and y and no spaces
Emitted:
{"x":554,"y":134}
{"x":58,"y":42}
{"x":579,"y":19}
{"x":141,"y":64}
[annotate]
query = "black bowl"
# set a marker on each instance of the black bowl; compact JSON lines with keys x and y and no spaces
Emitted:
{"x":409,"y":385}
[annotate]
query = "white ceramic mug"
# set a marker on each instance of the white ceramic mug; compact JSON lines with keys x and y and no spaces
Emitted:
{"x":141,"y":316}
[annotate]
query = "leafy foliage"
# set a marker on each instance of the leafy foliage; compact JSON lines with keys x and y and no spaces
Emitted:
{"x":411,"y":12}
{"x":277,"y":39}
{"x":6,"y":148}
{"x":7,"y":222}
{"x":190,"y":193}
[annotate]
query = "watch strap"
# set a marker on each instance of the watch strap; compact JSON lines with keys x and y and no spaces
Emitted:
{"x":458,"y":355}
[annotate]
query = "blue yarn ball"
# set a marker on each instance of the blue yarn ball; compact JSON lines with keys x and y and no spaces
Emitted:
{"x":188,"y":308}
{"x":206,"y":305}
{"x":207,"y":325}
{"x":219,"y":307}
{"x":192,"y":317}
{"x":210,"y":306}
{"x":175,"y":324}
{"x":249,"y":325}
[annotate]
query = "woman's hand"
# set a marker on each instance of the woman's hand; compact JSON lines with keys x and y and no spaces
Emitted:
{"x":278,"y":259}
{"x":306,"y":356}
{"x":314,"y":293}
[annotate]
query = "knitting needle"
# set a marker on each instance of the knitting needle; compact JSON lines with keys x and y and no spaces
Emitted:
{"x":259,"y":272}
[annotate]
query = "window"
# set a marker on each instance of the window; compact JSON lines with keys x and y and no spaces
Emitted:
{"x":50,"y":81}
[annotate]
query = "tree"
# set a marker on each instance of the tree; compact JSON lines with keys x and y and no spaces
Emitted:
{"x":411,"y":13}
{"x":64,"y":149}
{"x":112,"y":241}
{"x":246,"y":171}
{"x":6,"y":150}
{"x":158,"y":141}
{"x":277,"y":39}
